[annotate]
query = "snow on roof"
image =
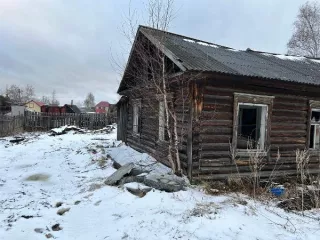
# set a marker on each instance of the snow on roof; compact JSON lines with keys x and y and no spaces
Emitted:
{"x":315,"y":60}
{"x":292,"y":58}
{"x":188,"y":40}
{"x":201,"y":43}
{"x":285,"y":57}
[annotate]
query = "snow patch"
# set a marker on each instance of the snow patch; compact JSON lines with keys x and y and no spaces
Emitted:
{"x":189,"y":214}
{"x":315,"y":60}
{"x":285,"y":57}
{"x":188,"y":40}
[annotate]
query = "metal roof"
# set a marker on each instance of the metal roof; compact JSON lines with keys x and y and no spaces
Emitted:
{"x":199,"y":55}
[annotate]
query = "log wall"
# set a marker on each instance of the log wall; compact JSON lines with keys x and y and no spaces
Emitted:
{"x":147,"y":141}
{"x":289,"y":130}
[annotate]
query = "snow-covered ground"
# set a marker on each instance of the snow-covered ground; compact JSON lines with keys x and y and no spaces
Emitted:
{"x":73,"y":168}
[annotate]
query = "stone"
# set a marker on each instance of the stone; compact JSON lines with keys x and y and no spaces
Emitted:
{"x":58,"y":204}
{"x":168,"y":183}
{"x":49,"y":235}
{"x":97,"y":203}
{"x":77,"y":202}
{"x":119,"y":174}
{"x":136,"y":170}
{"x":56,"y":227}
{"x":129,"y":179}
{"x":62,"y":211}
{"x":39,"y":230}
{"x":140,"y":192}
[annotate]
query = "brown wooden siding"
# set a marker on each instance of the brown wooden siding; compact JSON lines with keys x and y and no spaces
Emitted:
{"x":147,"y":140}
{"x":288,"y":130}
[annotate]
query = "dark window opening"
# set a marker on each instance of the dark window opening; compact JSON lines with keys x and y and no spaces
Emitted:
{"x":311,"y":142}
{"x":314,"y":141}
{"x":251,"y":127}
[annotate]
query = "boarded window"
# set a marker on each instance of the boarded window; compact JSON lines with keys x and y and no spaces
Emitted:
{"x":314,"y":141}
{"x":251,"y":126}
{"x":136,"y":116}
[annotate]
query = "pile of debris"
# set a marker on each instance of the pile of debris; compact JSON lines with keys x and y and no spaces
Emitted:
{"x":130,"y":172}
{"x":304,"y":198}
{"x":65,"y":129}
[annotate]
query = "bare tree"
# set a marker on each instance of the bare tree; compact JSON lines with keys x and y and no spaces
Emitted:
{"x":28,"y":93}
{"x":45,"y":100}
{"x":54,"y":100}
{"x":14,"y":92}
{"x":151,"y":72}
{"x":89,"y":102}
{"x":305,"y":39}
{"x":20,"y":95}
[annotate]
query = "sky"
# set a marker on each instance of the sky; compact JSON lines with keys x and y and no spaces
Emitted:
{"x":76,"y":46}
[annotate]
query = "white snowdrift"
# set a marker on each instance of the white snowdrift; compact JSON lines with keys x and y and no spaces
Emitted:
{"x":70,"y":161}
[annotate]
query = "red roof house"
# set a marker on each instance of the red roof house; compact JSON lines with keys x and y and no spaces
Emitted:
{"x":102,"y":107}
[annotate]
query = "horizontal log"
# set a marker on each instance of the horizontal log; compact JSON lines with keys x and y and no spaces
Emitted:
{"x":209,"y":138}
{"x":288,"y":120}
{"x":291,"y":140}
{"x":211,"y":99}
{"x":288,"y":127}
{"x":289,"y":113}
{"x":265,"y":174}
{"x":216,"y":123}
{"x":211,"y":162}
{"x":214,"y":146}
{"x":286,"y":147}
{"x":291,"y":99}
{"x":281,"y":133}
{"x":217,"y":115}
{"x":214,"y":154}
{"x":216,"y":130}
{"x":218,"y":90}
{"x":217,"y":107}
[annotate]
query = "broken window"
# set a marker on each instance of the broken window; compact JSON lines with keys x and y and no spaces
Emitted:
{"x":136,"y":116}
{"x":251,"y":126}
{"x":314,"y":141}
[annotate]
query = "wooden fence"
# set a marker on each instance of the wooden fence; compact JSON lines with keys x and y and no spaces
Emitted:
{"x":11,"y":125}
{"x":34,"y":121}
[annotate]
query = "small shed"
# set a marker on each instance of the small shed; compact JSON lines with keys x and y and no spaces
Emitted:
{"x":17,"y":110}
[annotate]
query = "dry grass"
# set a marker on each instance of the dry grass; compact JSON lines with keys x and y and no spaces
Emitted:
{"x":102,"y":161}
{"x":38,"y":177}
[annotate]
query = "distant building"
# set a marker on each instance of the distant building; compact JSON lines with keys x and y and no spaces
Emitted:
{"x":71,"y":108}
{"x":52,"y":109}
{"x":17,"y":110}
{"x":34,"y":106}
{"x":102,"y":107}
{"x":67,"y":108}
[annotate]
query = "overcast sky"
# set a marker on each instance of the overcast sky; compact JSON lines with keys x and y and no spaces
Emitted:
{"x":68,"y":45}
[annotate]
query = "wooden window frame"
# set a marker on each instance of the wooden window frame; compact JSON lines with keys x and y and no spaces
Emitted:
{"x":136,"y":125}
{"x":254,"y":100}
{"x":313,"y":106}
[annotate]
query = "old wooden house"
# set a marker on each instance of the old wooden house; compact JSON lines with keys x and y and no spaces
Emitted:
{"x":239,"y":103}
